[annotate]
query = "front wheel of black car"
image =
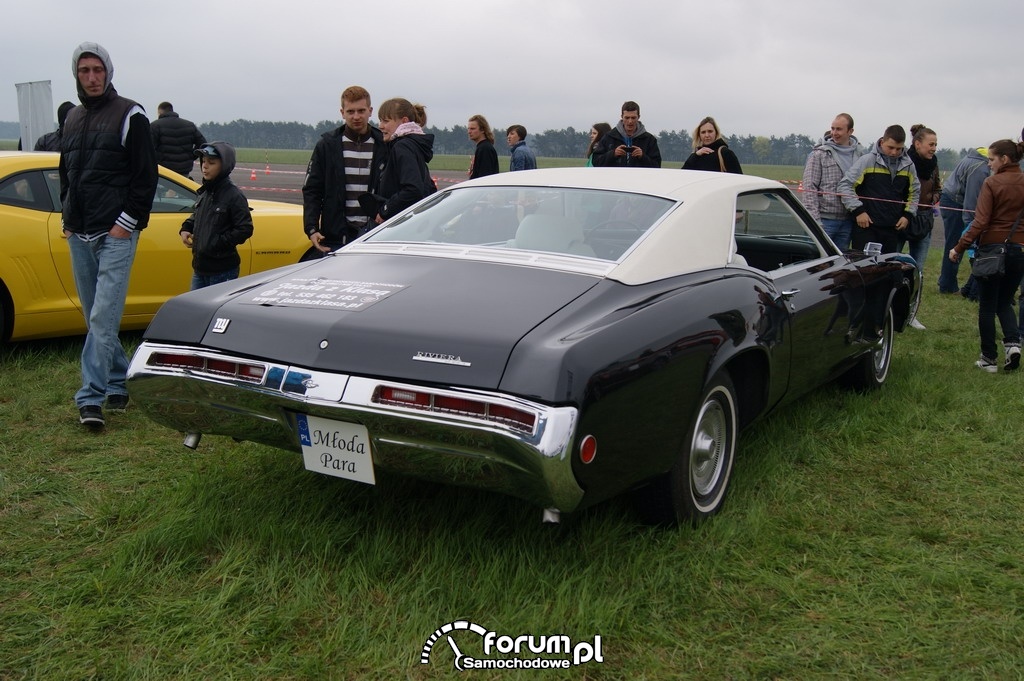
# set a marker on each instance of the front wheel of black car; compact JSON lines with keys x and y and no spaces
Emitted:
{"x":694,"y":489}
{"x":872,"y":368}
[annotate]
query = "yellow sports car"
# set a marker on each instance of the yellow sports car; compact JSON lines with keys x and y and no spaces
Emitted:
{"x":37,"y":289}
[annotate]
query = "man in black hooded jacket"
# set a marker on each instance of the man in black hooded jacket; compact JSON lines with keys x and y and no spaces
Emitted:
{"x":108,"y":177}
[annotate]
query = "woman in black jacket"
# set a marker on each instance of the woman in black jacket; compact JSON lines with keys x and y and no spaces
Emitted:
{"x":597,"y":131}
{"x":710,"y":152}
{"x":404,"y":175}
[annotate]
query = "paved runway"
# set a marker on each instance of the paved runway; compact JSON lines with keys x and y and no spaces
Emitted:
{"x":284,"y":182}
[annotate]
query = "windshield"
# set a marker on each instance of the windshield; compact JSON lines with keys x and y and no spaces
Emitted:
{"x":583,"y":222}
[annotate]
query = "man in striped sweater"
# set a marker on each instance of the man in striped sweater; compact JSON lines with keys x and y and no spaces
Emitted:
{"x":343,"y":166}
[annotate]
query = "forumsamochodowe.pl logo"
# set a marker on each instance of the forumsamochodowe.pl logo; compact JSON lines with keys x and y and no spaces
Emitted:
{"x":548,"y":651}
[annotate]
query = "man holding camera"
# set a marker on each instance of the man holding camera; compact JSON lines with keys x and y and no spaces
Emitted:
{"x":628,"y":145}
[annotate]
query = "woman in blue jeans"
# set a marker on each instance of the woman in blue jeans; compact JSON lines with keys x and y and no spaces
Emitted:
{"x":997,"y":220}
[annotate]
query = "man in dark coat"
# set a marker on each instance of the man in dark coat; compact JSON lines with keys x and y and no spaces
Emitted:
{"x":485,"y":157}
{"x":344,"y":165}
{"x":175,"y":140}
{"x":51,"y":140}
{"x":628,"y":145}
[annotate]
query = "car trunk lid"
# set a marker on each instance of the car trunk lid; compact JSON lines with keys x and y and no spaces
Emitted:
{"x":396,"y":315}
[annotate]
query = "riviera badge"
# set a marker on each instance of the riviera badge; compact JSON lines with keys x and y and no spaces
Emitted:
{"x":440,"y":358}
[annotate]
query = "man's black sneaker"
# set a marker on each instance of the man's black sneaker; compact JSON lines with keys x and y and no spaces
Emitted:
{"x":117,"y":402}
{"x":90,"y":415}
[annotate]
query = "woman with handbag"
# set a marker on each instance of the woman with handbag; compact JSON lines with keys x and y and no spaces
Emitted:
{"x":710,"y":152}
{"x":918,"y":233}
{"x":995,"y":228}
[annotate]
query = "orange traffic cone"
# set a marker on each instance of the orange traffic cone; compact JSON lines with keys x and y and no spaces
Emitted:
{"x":800,"y":187}
{"x":268,"y":169}
{"x":252,"y":176}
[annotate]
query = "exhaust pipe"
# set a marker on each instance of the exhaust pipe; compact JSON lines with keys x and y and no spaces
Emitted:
{"x":551,"y":515}
{"x":192,"y":440}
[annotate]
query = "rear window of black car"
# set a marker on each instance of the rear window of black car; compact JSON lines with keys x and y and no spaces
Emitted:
{"x":580,"y":222}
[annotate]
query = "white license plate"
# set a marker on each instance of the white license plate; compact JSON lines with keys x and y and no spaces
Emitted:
{"x":336,"y":448}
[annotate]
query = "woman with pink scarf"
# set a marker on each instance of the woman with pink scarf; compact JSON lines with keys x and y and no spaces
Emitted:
{"x":404,"y":175}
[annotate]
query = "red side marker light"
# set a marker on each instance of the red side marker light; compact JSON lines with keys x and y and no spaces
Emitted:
{"x":588,"y":449}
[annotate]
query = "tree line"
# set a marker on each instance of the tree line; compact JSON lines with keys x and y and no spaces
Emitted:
{"x":675,"y":145}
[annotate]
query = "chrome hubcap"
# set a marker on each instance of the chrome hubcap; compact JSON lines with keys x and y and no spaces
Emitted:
{"x":709,"y":441}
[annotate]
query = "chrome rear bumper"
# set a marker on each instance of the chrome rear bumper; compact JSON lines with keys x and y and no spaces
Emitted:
{"x":450,"y":448}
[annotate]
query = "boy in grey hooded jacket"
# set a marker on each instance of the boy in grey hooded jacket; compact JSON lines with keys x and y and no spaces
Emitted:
{"x":221,"y":221}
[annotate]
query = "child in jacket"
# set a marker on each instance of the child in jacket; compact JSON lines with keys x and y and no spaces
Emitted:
{"x":221,"y":220}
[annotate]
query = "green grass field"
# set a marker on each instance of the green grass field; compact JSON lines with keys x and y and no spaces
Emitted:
{"x":865,"y":537}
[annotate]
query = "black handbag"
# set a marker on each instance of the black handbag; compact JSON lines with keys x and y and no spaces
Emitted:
{"x":990,"y":259}
{"x":920,"y":226}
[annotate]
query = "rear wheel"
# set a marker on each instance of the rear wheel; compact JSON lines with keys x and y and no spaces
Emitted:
{"x":694,"y":489}
{"x":872,"y":368}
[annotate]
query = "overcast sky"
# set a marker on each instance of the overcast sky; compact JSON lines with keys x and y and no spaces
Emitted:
{"x":759,"y":67}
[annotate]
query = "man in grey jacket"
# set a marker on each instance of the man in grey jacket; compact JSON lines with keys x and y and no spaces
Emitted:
{"x":956,"y":203}
{"x":826,"y":165}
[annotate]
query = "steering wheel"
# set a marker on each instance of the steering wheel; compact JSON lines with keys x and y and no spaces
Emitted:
{"x":611,"y":238}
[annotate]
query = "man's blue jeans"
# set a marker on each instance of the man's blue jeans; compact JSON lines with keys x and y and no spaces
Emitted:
{"x":204,"y":280}
{"x":953,"y":225}
{"x":839,"y":231}
{"x":101,"y":271}
{"x":918,"y":250}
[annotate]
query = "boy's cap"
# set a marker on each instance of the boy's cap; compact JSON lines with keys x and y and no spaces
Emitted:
{"x":207,"y":150}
